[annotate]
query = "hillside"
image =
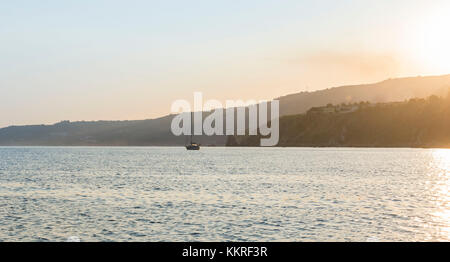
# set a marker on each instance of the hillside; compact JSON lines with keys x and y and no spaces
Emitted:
{"x":415,"y":123}
{"x":386,"y":91}
{"x":156,"y":132}
{"x":152,"y":132}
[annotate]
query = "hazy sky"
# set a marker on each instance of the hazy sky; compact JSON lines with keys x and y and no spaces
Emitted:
{"x":91,"y":59}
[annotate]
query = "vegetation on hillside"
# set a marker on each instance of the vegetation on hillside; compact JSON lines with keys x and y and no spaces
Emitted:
{"x":413,"y":123}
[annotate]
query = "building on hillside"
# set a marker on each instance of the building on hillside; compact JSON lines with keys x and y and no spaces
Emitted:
{"x":331,"y":109}
{"x":347,"y":108}
{"x":322,"y":110}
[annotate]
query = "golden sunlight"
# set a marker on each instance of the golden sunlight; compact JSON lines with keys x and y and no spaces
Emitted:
{"x":441,"y":189}
{"x":442,"y":160}
{"x":430,"y":40}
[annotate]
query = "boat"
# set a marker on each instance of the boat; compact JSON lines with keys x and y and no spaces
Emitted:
{"x":192,"y":145}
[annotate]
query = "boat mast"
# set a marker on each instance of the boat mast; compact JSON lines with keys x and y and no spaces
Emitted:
{"x":192,"y":132}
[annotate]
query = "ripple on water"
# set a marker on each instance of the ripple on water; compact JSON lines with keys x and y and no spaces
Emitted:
{"x":223,"y":194}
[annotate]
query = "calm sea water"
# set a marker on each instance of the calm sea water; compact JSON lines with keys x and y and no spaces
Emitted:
{"x":224,"y":194}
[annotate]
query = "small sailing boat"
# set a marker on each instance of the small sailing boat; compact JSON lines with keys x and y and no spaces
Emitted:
{"x":192,"y":145}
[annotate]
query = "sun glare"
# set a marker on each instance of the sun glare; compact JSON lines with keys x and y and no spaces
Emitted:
{"x":430,"y":41}
{"x":441,"y":190}
{"x":442,"y":159}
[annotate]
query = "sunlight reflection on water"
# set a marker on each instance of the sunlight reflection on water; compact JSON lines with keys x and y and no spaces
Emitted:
{"x":441,"y":188}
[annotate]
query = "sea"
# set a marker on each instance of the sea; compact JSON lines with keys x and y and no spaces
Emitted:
{"x":224,"y":194}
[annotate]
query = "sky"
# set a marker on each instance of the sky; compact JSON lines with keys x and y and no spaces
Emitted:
{"x":116,"y":60}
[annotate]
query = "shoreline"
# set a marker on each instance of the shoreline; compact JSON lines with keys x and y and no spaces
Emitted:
{"x":181,"y":146}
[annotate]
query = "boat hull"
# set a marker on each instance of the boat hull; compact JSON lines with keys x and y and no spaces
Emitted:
{"x":193,"y":147}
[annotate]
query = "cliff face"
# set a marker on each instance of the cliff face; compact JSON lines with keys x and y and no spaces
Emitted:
{"x":416,"y":123}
